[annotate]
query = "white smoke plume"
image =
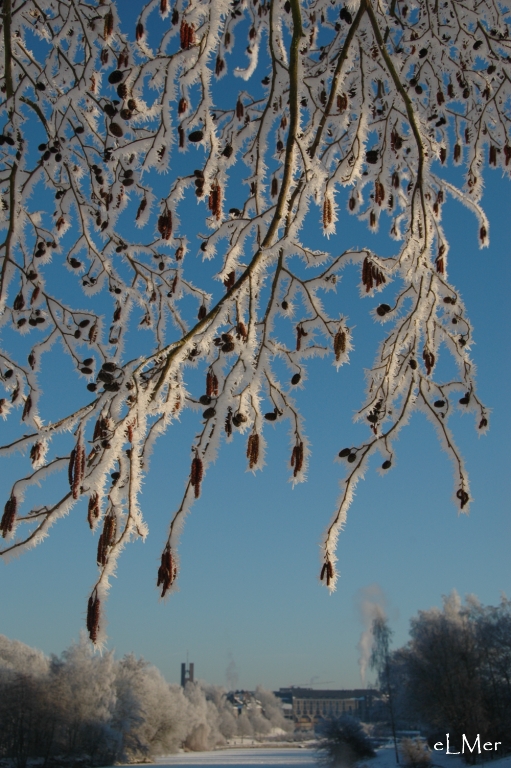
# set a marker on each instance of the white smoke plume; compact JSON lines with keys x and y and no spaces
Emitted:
{"x":371,"y":604}
{"x":231,"y":674}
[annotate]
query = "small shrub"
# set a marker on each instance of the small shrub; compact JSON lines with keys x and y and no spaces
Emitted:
{"x":415,"y":753}
{"x":343,"y":742}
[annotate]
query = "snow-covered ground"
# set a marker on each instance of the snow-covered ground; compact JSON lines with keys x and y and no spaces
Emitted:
{"x":298,"y":756}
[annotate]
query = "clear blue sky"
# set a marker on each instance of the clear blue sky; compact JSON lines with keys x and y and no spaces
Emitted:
{"x":249,"y":585}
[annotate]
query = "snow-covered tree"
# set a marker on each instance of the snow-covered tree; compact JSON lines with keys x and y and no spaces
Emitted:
{"x":373,"y":98}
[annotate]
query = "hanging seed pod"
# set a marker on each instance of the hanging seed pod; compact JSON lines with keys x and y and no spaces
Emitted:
{"x":457,"y":152}
{"x":167,"y":572}
{"x":463,"y":497}
{"x":482,"y":234}
{"x":109,"y":25}
{"x":328,"y":572}
{"x":483,"y":423}
{"x":106,"y":539}
{"x":297,"y":458}
{"x":429,"y":360}
{"x":327,"y":212}
{"x":35,"y":452}
{"x":228,"y":423}
{"x":195,"y":136}
{"x":295,"y":379}
{"x":196,"y":474}
{"x":339,"y":344}
{"x":141,"y":208}
{"x":342,"y":102}
{"x":386,"y":464}
{"x":211,"y":384}
{"x":27,"y":407}
{"x":344,"y":453}
{"x":187,"y":34}
{"x":371,"y":275}
{"x":163,"y":7}
{"x":215,"y":200}
{"x":253,"y":449}
{"x":9,"y":516}
{"x":93,"y":616}
{"x":274,"y":187}
{"x":165,"y":225}
{"x":113,"y":78}
{"x":93,"y":510}
{"x":240,"y":109}
{"x":379,"y":192}
{"x":230,"y":280}
{"x":182,"y":106}
{"x":238,"y":419}
{"x":383,"y":310}
{"x":139,"y":31}
{"x":271,"y":416}
{"x":241,"y":331}
{"x":116,"y":130}
{"x":19,"y":302}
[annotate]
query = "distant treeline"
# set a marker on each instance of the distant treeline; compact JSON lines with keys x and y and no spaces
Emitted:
{"x":454,"y":675}
{"x":91,"y":709}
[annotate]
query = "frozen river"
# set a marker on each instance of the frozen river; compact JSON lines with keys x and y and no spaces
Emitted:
{"x":234,"y":758}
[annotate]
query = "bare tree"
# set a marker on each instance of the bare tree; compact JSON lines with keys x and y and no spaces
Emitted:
{"x":381,"y":662}
{"x":375,"y":97}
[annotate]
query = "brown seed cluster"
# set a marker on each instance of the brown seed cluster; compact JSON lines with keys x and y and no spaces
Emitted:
{"x":240,"y":109}
{"x":141,"y":208}
{"x":339,"y":344}
{"x":371,"y":275}
{"x":327,"y":212}
{"x":328,"y":572}
{"x":109,"y":25}
{"x":463,"y":497}
{"x":342,"y":102}
{"x":93,"y":616}
{"x":253,"y":449}
{"x":8,"y":516}
{"x":215,"y":200}
{"x":297,"y":458}
{"x":274,"y":187}
{"x":429,"y":360}
{"x":76,"y":468}
{"x":93,"y":510}
{"x":27,"y":407}
{"x":107,"y":538}
{"x":187,"y":33}
{"x":241,"y":331}
{"x":167,"y":572}
{"x":165,"y":225}
{"x":230,"y":280}
{"x":300,"y":333}
{"x":196,"y":475}
{"x":211,"y":384}
{"x":35,"y":452}
{"x":379,"y":192}
{"x":228,"y":423}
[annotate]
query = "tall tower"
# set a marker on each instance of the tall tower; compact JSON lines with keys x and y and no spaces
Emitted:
{"x":186,"y":674}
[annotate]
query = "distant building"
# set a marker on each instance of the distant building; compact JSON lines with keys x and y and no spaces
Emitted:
{"x":186,"y":674}
{"x":306,"y":706}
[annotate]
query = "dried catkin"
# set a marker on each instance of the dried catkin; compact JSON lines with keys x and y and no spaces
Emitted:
{"x":328,"y":571}
{"x":8,"y":516}
{"x":211,"y":384}
{"x":93,"y":616}
{"x":215,"y":200}
{"x":167,"y":572}
{"x":339,"y":344}
{"x":165,"y":225}
{"x":106,"y":539}
{"x":187,"y":34}
{"x":327,"y":212}
{"x":109,"y":25}
{"x":297,"y":458}
{"x":429,"y":360}
{"x":371,"y":275}
{"x":93,"y":510}
{"x":196,"y":475}
{"x":253,"y":449}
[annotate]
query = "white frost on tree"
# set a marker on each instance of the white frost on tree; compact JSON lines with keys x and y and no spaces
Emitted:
{"x":373,"y":97}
